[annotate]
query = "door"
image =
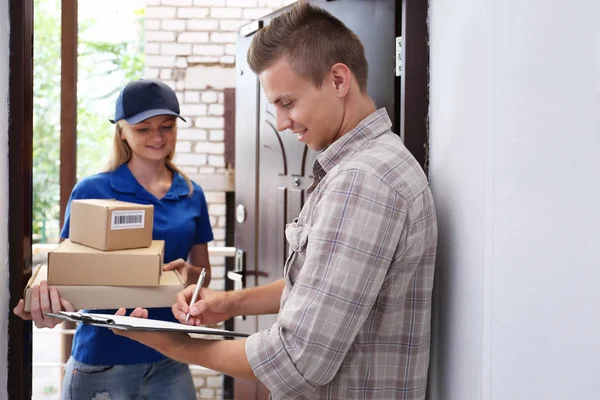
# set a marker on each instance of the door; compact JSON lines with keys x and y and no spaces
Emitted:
{"x":274,"y":169}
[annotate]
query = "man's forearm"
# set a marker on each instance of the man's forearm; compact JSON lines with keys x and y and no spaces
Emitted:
{"x":259,"y":300}
{"x":226,"y":356}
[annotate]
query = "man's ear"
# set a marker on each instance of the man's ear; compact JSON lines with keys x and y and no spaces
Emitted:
{"x":341,"y":76}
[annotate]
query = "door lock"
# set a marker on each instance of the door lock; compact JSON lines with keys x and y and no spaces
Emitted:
{"x":240,"y":213}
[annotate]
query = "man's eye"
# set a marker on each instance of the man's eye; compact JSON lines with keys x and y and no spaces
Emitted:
{"x":167,"y":128}
{"x":143,"y":130}
{"x":287,"y":105}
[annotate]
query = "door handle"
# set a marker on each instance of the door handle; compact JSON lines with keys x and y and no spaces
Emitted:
{"x":238,"y":274}
{"x":240,"y":261}
{"x":215,"y":251}
{"x":237,"y":278}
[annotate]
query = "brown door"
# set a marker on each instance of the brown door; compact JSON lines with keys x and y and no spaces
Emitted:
{"x":273,"y":169}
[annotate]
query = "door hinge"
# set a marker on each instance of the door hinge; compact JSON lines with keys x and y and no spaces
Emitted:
{"x":399,"y":56}
{"x":251,"y":28}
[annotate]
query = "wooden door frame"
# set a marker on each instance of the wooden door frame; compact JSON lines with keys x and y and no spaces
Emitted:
{"x":20,"y":140}
{"x":68,"y":127}
{"x":414,"y":91}
{"x":20,"y":159}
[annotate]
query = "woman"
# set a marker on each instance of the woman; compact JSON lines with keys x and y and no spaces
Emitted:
{"x":140,"y":171}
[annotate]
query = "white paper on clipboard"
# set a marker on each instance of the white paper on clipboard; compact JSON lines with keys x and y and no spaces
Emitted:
{"x":139,"y":324}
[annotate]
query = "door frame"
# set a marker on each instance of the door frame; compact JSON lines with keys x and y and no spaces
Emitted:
{"x":20,"y":156}
{"x":414,"y":91}
{"x":20,"y":141}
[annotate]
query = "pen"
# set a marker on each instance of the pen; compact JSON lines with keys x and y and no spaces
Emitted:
{"x":196,"y":291}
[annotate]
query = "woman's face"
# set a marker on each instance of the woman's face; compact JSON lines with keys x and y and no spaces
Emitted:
{"x":153,"y":139}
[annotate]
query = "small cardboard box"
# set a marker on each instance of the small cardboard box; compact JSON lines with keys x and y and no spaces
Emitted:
{"x":111,"y":297}
{"x":74,"y":264}
{"x":111,"y":224}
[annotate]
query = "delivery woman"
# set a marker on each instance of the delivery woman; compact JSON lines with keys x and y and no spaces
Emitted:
{"x":141,"y":170}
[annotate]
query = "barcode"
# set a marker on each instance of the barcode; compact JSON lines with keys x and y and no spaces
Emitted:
{"x":127,"y":219}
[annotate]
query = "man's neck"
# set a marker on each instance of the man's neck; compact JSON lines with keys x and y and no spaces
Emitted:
{"x":355,"y":112}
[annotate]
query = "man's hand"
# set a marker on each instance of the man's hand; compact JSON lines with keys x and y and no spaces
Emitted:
{"x":44,"y":299}
{"x":160,"y":341}
{"x":211,"y":308}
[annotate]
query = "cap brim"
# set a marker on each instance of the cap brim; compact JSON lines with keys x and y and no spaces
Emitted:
{"x":136,"y":119}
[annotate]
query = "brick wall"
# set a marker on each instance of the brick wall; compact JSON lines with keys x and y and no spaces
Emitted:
{"x":190,"y":45}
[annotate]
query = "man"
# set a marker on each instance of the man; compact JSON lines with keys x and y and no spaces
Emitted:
{"x":354,"y":305}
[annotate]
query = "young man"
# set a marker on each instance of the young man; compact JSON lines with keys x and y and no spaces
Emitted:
{"x":354,"y":305}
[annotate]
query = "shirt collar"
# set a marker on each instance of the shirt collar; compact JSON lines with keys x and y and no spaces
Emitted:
{"x":179,"y":187}
{"x":372,"y":126}
{"x":122,"y":180}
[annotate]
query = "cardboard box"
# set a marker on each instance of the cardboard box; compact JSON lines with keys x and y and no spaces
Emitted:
{"x":111,"y":297}
{"x":74,"y":264}
{"x":111,"y":224}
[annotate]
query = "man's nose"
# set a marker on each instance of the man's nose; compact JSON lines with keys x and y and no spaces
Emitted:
{"x":283,"y":122}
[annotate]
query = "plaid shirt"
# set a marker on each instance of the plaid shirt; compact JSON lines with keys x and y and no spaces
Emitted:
{"x":355,"y":312}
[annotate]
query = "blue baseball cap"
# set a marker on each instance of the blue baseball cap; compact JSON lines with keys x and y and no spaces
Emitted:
{"x":143,"y":99}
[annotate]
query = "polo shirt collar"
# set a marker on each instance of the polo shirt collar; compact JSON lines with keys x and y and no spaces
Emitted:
{"x":179,"y":187}
{"x":122,"y":180}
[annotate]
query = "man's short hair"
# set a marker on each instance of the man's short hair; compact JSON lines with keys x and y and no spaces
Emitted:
{"x":312,"y":40}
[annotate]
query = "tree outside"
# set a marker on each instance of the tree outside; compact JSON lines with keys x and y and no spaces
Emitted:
{"x":104,"y":66}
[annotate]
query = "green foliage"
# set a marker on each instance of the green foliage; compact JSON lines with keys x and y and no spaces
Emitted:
{"x":46,"y":113}
{"x":103,"y":69}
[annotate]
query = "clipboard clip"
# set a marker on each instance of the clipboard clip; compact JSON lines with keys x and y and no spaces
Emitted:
{"x":89,"y":320}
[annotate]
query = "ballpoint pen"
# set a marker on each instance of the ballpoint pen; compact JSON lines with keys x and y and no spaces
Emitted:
{"x":196,"y":291}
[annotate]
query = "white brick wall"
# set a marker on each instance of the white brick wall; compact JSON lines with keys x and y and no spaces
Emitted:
{"x":225,"y":13}
{"x":190,"y":45}
{"x":193,"y":37}
{"x":160,"y":12}
{"x":202,"y":25}
{"x":196,"y":12}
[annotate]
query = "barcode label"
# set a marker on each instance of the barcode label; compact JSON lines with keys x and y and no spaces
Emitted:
{"x":127,"y":219}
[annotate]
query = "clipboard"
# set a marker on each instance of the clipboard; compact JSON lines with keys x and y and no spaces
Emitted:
{"x":139,"y":324}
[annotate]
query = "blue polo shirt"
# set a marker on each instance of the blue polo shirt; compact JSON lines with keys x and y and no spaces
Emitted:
{"x":180,"y":220}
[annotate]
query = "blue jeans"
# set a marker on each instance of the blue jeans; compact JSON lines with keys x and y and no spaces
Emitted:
{"x":163,"y":380}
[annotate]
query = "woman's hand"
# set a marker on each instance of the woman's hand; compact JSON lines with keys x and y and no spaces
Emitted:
{"x":189,"y":273}
{"x":137,"y":313}
{"x":181,"y":266}
{"x":212,"y":306}
{"x":44,"y":299}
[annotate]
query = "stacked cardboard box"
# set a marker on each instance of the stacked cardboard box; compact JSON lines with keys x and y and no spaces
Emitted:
{"x":110,"y":259}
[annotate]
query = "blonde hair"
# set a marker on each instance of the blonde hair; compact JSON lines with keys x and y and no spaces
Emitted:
{"x":121,"y":154}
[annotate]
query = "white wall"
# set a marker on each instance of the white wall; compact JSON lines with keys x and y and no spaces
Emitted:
{"x":515,"y":169}
{"x":4,"y":294}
